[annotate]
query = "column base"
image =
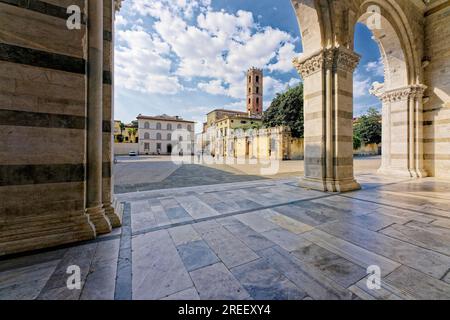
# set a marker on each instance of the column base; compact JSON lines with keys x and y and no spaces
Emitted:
{"x":113,"y":214}
{"x":45,"y":230}
{"x":99,"y":219}
{"x":402,"y":173}
{"x":329,"y":185}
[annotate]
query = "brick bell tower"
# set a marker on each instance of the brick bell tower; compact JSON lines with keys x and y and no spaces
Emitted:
{"x":255,"y":91}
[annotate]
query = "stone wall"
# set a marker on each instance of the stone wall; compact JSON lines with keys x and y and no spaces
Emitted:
{"x":125,"y":148}
{"x":437,"y":109}
{"x":272,"y":143}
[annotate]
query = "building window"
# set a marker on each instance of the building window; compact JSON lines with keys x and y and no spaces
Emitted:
{"x":249,"y":101}
{"x":257,"y":79}
{"x":257,"y":90}
{"x":179,"y":126}
{"x":180,"y":138}
{"x":146,"y":125}
{"x":158,"y":126}
{"x":189,"y":127}
{"x":169,"y":126}
{"x":158,"y":136}
{"x":249,"y":78}
{"x":169,"y":136}
{"x":257,"y":101}
{"x":249,"y":90}
{"x":146,"y":136}
{"x":147,"y":146}
{"x":243,"y":122}
{"x":158,"y":147}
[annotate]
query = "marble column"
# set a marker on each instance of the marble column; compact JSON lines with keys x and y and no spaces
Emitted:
{"x":112,"y":208}
{"x":402,"y":145}
{"x":328,"y":114}
{"x":94,"y":204}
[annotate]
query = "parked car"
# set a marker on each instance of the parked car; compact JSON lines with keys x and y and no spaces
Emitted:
{"x":132,"y":153}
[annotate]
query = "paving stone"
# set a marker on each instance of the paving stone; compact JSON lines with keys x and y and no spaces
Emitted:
{"x":263,"y":282}
{"x":307,"y":217}
{"x":406,"y":214}
{"x":420,"y":237}
{"x":188,"y":294}
{"x":196,"y":255}
{"x":101,"y":281}
{"x":256,"y":221}
{"x":374,"y":221}
{"x":433,"y":228}
{"x":196,"y":208}
{"x":351,"y":252}
{"x":228,"y":248}
{"x":251,"y":238}
{"x":206,"y":226}
{"x":217,"y":283}
{"x":314,"y":283}
{"x":333,"y":266}
{"x":429,"y":262}
{"x":183,"y":234}
{"x":160,"y":215}
{"x":25,"y":283}
{"x":442,"y":223}
{"x":178,"y":214}
{"x":286,"y":239}
{"x":140,"y":221}
{"x":157,"y":268}
{"x":419,"y":284}
{"x":290,"y":224}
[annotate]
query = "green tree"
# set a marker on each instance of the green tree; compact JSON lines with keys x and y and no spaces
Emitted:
{"x":368,"y":127}
{"x":122,"y":127}
{"x":356,"y":141}
{"x":286,"y":109}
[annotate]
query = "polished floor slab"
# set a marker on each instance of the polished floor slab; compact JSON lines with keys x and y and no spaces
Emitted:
{"x":266,"y":239}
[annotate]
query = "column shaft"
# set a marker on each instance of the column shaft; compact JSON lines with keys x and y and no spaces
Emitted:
{"x":328,"y":107}
{"x":94,"y":203}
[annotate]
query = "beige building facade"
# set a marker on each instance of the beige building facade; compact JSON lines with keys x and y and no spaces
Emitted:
{"x":56,"y":88}
{"x":165,"y":134}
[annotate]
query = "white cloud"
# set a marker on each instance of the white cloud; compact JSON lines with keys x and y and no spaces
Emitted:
{"x":120,"y":21}
{"x":133,"y":71}
{"x":376,"y":67}
{"x":213,"y":87}
{"x":190,"y":41}
{"x":361,"y":86}
{"x":284,"y":57}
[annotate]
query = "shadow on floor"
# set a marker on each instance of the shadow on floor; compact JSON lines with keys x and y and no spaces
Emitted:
{"x":189,"y":175}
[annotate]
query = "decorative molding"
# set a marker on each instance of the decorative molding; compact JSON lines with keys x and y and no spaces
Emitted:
{"x":310,"y":65}
{"x":410,"y":92}
{"x":336,"y":58}
{"x":345,"y":59}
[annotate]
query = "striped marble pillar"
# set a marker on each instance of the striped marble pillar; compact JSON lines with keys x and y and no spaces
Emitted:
{"x":402,"y":144}
{"x":111,"y":208}
{"x":328,"y":114}
{"x":94,"y":203}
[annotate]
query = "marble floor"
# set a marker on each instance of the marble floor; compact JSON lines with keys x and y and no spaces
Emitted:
{"x":266,"y":239}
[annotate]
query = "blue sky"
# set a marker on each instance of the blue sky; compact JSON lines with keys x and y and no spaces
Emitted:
{"x":187,"y":57}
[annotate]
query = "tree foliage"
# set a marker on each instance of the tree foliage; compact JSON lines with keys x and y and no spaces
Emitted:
{"x":287,"y":110}
{"x":368,"y":127}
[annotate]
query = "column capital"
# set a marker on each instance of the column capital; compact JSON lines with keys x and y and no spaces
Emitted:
{"x":334,"y":58}
{"x":117,"y":4}
{"x":414,"y":91}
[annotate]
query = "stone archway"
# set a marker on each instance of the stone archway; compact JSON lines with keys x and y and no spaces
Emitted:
{"x":401,"y":93}
{"x":327,"y":66}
